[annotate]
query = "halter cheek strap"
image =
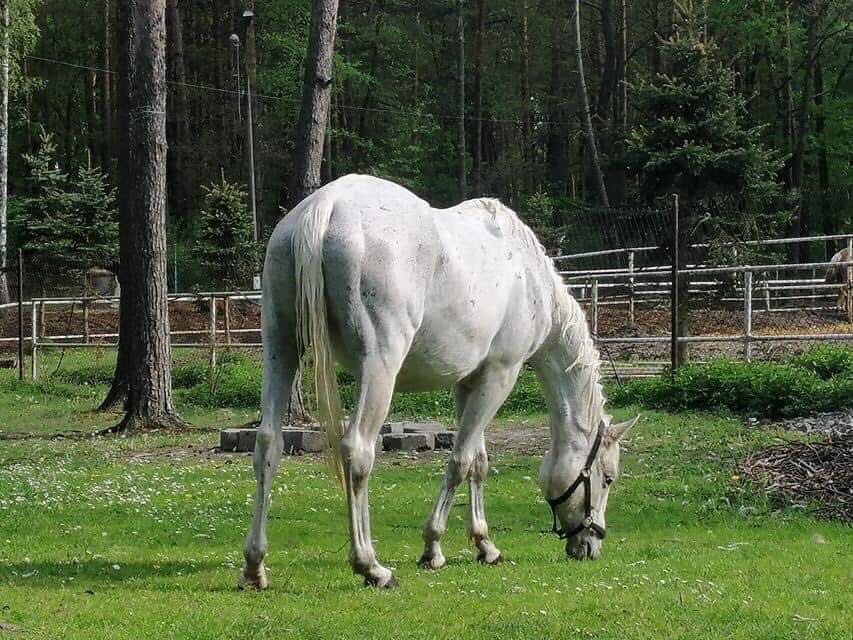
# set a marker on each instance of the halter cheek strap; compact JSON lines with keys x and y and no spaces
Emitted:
{"x":583,"y":479}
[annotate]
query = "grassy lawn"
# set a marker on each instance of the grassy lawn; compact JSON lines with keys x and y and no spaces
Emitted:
{"x":141,"y":538}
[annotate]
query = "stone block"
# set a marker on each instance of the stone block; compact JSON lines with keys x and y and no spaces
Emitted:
{"x":303,"y":441}
{"x":422,"y":427}
{"x":408,"y":442}
{"x":392,"y":427}
{"x":229,"y":439}
{"x":246,"y":439}
{"x":444,"y":439}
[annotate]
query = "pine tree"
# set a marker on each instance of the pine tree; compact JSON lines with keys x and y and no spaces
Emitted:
{"x":692,"y":139}
{"x":224,"y":245}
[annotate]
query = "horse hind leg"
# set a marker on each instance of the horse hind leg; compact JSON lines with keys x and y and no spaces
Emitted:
{"x":358,"y":452}
{"x":281,"y":362}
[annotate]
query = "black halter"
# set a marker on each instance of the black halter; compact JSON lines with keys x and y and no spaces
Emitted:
{"x":583,"y":479}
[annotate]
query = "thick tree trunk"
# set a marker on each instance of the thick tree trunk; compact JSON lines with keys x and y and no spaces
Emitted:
{"x":4,"y":145}
{"x":177,"y":112}
{"x":311,"y":131}
{"x":797,"y":162}
{"x":827,"y":221}
{"x":477,"y":169}
{"x":558,"y":134}
{"x":589,"y":132}
{"x":460,"y":106}
{"x":145,"y":365}
{"x":316,"y":95}
{"x":526,"y":122}
{"x":107,"y":108}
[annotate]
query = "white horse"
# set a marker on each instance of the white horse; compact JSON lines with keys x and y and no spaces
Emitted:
{"x":407,"y":297}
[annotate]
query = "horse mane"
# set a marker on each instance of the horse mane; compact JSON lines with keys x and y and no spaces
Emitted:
{"x":574,"y":336}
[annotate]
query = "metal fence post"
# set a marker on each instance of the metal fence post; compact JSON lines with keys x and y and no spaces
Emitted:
{"x":674,"y":332}
{"x":766,"y":292}
{"x":594,"y":308}
{"x":849,"y":284}
{"x":20,"y":314}
{"x":34,"y":338}
{"x":212,"y":331}
{"x":226,"y":303}
{"x":747,"y":314}
{"x":631,"y":316}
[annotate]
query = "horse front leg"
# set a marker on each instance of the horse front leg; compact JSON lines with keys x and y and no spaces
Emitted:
{"x":358,"y":453}
{"x":478,"y":400}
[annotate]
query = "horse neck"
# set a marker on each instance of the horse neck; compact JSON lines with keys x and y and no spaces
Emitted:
{"x":568,"y":366}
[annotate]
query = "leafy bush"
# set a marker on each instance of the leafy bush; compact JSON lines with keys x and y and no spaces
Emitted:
{"x":87,"y":373}
{"x":766,"y":390}
{"x":825,"y":361}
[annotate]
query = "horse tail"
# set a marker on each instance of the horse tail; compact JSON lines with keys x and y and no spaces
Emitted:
{"x":312,"y":317}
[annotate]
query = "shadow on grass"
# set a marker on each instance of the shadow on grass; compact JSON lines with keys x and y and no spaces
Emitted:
{"x":90,"y":572}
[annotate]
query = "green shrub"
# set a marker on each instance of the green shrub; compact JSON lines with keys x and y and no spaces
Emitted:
{"x":235,"y":384}
{"x":88,"y":373}
{"x":767,"y":390}
{"x":825,"y":361}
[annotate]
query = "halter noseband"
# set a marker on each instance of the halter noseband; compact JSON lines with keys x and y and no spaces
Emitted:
{"x":583,"y":479}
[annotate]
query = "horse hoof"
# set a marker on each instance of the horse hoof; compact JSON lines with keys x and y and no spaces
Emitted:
{"x":257,"y":582}
{"x":484,"y":558}
{"x":433,"y":563}
{"x":375,"y":581}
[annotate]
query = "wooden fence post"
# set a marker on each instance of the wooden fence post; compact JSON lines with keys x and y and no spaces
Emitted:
{"x":747,"y":314}
{"x":227,"y":305}
{"x":212,"y":331}
{"x":86,"y":321}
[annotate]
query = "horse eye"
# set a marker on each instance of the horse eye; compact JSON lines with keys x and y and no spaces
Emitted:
{"x":608,"y":480}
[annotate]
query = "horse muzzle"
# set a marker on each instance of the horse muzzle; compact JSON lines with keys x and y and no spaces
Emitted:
{"x":584,"y":546}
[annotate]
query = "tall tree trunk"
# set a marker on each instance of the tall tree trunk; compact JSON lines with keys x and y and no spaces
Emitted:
{"x":592,"y":147}
{"x":827,"y":222}
{"x":810,"y":11}
{"x":142,"y":203}
{"x":316,"y":95}
{"x":177,"y":112}
{"x":311,"y":131}
{"x":477,"y":169}
{"x":4,"y":146}
{"x":526,"y":123}
{"x":107,"y":108}
{"x":460,"y":132}
{"x":558,"y":134}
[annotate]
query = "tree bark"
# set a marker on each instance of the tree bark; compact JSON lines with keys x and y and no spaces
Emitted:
{"x":558,"y":134}
{"x":460,"y":131}
{"x":526,"y":122}
{"x":822,"y":158}
{"x":145,"y":365}
{"x":311,"y":132}
{"x":589,"y":132}
{"x":107,"y":89}
{"x":4,"y":146}
{"x":810,"y":11}
{"x":177,"y":110}
{"x":316,"y":95}
{"x":477,"y":169}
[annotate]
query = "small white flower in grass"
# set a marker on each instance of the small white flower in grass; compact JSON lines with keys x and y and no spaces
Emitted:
{"x":116,"y":567}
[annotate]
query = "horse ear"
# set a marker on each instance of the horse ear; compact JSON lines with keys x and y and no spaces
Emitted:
{"x":615,"y":432}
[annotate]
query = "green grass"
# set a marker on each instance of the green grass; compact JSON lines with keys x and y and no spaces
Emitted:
{"x":141,"y":538}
